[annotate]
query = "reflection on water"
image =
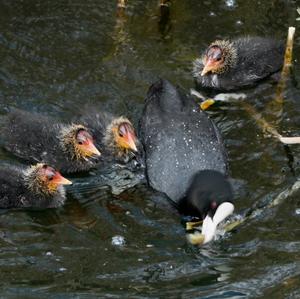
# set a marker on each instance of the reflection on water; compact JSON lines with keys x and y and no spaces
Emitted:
{"x":57,"y":57}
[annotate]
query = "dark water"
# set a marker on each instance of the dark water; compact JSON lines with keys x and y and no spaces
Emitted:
{"x":56,"y":57}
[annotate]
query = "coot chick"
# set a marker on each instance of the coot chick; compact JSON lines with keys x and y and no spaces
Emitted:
{"x":230,"y":65}
{"x":38,"y":138}
{"x":209,"y":198}
{"x":114,"y":135}
{"x":179,"y":141}
{"x":38,"y":186}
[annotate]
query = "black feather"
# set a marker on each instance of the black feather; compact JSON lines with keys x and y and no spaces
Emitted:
{"x":207,"y":191}
{"x":179,"y":140}
{"x":35,"y":138}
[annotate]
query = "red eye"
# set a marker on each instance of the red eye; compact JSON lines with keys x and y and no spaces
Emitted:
{"x":213,"y":205}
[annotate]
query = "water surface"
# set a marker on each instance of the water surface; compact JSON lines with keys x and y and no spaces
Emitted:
{"x":57,"y":57}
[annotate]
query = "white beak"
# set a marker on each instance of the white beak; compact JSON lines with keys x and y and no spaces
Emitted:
{"x":209,"y":226}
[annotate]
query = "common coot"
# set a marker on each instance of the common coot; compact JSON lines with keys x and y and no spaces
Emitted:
{"x":185,"y":155}
{"x":114,"y":134}
{"x":38,"y":138}
{"x":229,"y":65}
{"x":38,"y":186}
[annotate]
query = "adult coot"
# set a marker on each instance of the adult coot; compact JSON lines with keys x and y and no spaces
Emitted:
{"x":38,"y":138}
{"x":39,"y":186}
{"x":183,"y":151}
{"x":230,"y":65}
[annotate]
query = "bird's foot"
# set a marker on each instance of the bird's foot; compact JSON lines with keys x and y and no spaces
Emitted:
{"x":192,"y":225}
{"x":195,"y":238}
{"x":206,"y":104}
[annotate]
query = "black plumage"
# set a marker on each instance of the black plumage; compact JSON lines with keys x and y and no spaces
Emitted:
{"x":248,"y":60}
{"x":38,"y":138}
{"x":16,"y":193}
{"x":179,"y":140}
{"x":209,"y":189}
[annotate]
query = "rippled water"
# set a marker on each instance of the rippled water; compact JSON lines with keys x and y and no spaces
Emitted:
{"x":58,"y":56}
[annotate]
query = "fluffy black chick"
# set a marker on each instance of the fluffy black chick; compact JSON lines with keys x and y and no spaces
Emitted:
{"x":38,"y":186}
{"x":242,"y":62}
{"x":38,"y":138}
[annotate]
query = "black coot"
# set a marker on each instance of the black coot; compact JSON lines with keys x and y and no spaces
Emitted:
{"x":185,"y":156}
{"x":179,"y":140}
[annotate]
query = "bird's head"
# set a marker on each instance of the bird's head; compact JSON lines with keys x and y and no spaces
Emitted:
{"x":120,"y":136}
{"x":219,"y":57}
{"x":44,"y":180}
{"x":78,"y":142}
{"x":209,"y":198}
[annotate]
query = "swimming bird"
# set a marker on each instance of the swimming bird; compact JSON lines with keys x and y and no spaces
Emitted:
{"x":38,"y":186}
{"x":38,"y":138}
{"x":115,"y":135}
{"x":228,"y":65}
{"x":179,"y":141}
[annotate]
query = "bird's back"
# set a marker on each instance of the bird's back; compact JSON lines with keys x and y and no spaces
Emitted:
{"x":30,"y":136}
{"x":12,"y":189}
{"x":179,"y":140}
{"x":258,"y":58}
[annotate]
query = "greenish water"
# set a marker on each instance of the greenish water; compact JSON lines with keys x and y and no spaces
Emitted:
{"x":58,"y":56}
